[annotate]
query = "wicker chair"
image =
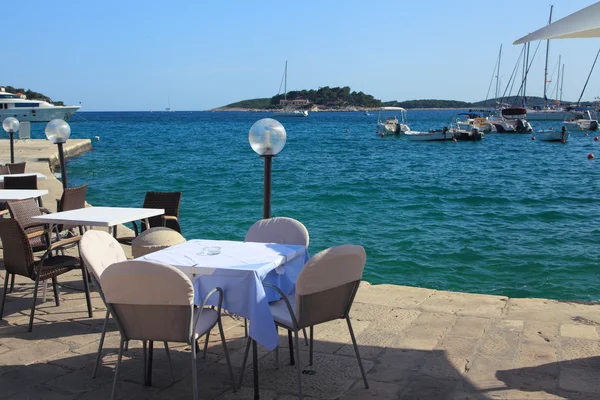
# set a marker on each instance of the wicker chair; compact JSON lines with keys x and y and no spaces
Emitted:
{"x":19,"y":260}
{"x":71,"y":199}
{"x":38,"y":233}
{"x":170,"y":202}
{"x":16,"y":168}
{"x":4,"y":170}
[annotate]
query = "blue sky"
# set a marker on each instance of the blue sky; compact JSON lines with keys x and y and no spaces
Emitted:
{"x":135,"y":55}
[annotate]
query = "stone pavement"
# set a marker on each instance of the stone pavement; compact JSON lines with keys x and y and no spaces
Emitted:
{"x":415,"y":344}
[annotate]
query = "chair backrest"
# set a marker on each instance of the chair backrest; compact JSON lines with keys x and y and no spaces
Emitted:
{"x":150,"y":301}
{"x":4,"y":170}
{"x":170,"y":202}
{"x":17,"y":253}
{"x":327,"y":284}
{"x":23,"y":211}
{"x":278,"y":230}
{"x":99,"y":250}
{"x":20,"y":182}
{"x":17,"y":168}
{"x":71,"y":199}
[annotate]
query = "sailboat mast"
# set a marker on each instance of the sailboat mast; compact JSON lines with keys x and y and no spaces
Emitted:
{"x":588,"y":78}
{"x":498,"y":74}
{"x":558,"y":79}
{"x":562,"y":80}
{"x":285,"y":84}
{"x":546,"y":65}
{"x":526,"y":71}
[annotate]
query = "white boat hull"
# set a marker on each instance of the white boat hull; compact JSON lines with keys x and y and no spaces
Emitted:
{"x":553,"y":136}
{"x":39,"y":114}
{"x":295,"y":113}
{"x":548,"y":115}
{"x":429,"y":136}
{"x":581,"y":125}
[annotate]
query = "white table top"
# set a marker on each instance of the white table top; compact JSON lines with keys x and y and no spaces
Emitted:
{"x":39,"y":175}
{"x":20,"y":194}
{"x":100,"y":216}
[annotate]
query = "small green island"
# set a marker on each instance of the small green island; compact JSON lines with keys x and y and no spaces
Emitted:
{"x":344,"y":99}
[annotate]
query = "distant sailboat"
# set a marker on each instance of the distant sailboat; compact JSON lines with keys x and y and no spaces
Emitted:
{"x":168,"y":109}
{"x":287,"y":111}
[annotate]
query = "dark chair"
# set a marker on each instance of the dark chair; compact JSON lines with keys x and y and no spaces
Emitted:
{"x":71,"y":199}
{"x":37,"y":232}
{"x":4,"y":170}
{"x":169,"y":201}
{"x":16,"y":168}
{"x":22,"y":182}
{"x":19,"y":260}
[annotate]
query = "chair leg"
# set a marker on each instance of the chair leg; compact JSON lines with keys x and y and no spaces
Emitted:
{"x":305,"y":336}
{"x":12,"y":282}
{"x":226,"y":353}
{"x":298,"y":372}
{"x":206,"y":345}
{"x":4,"y":294}
{"x":310,"y":347}
{"x":35,"y":290}
{"x":86,"y":286}
{"x":291,"y":345}
{"x":169,"y":361}
{"x":194,"y":375}
{"x":362,"y":370}
{"x":245,"y":361}
{"x":277,"y":349}
{"x":245,"y":327}
{"x":114,"y":388}
{"x":55,"y":289}
{"x":101,"y":344}
{"x":145,"y":359}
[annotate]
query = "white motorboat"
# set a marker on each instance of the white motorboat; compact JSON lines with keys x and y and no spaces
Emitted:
{"x":475,"y":119}
{"x":548,"y":114}
{"x":12,"y":105}
{"x":433,"y":135}
{"x":388,"y":122}
{"x":291,"y":113}
{"x":582,"y":121}
{"x":550,"y":135}
{"x":512,"y":120}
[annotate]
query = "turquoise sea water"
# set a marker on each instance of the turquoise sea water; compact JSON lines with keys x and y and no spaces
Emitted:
{"x":506,"y":216}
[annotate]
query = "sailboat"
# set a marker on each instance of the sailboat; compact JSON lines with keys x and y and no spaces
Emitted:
{"x":546,"y":113}
{"x":168,"y":109}
{"x":287,"y":111}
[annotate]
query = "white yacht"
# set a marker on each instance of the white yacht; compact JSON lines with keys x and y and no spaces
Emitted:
{"x":12,"y":105}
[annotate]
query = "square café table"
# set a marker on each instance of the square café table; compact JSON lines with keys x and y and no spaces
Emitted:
{"x":21,"y":194}
{"x":100,"y":216}
{"x":239,"y":269}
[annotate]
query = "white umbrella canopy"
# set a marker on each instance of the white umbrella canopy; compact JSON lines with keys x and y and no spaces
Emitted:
{"x":584,"y":23}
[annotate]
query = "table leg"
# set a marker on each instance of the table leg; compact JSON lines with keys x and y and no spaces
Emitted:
{"x":112,"y":231}
{"x":149,"y":368}
{"x":255,"y":369}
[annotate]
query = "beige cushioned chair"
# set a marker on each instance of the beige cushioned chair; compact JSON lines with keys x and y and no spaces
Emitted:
{"x":282,"y":230}
{"x":325,"y":290}
{"x":155,"y":239}
{"x":155,"y":302}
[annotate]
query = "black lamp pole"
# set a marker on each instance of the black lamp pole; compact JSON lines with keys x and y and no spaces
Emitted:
{"x":12,"y":146}
{"x":63,"y":170}
{"x":267,"y":186}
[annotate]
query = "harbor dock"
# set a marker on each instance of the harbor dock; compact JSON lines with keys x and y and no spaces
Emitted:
{"x":415,"y":343}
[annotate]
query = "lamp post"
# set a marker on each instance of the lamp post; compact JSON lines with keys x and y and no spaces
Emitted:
{"x":267,"y":138}
{"x":11,"y":125}
{"x":58,"y":131}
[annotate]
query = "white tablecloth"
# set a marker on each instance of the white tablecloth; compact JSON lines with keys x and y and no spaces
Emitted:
{"x":239,"y":269}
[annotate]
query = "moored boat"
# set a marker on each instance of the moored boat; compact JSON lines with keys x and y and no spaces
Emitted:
{"x":475,"y":119}
{"x":512,"y":120}
{"x":388,"y":122}
{"x":550,"y":135}
{"x":437,"y":135}
{"x":12,"y":105}
{"x":582,"y":121}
